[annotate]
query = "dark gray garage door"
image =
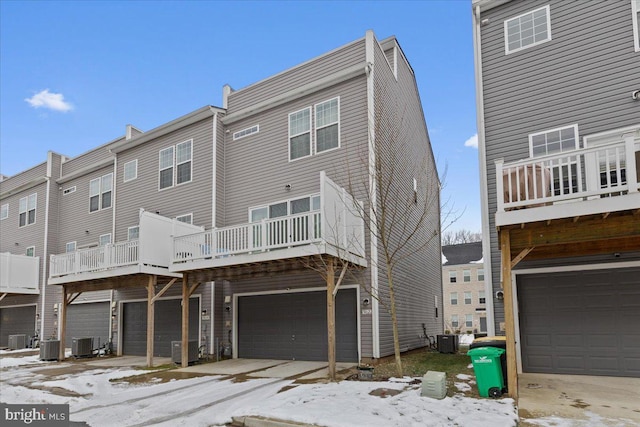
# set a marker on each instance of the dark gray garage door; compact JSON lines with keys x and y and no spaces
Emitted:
{"x":90,"y":320}
{"x":167,"y":328}
{"x":294,"y":326}
{"x":17,"y":321}
{"x":581,"y":322}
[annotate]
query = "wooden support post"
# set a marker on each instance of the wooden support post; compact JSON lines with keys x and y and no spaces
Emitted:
{"x":185,"y":320}
{"x":512,"y":373}
{"x":151,"y":290}
{"x":331,"y":318}
{"x":62,"y":318}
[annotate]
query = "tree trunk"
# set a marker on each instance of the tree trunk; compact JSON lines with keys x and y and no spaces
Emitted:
{"x":394,"y":322}
{"x":331,"y":319}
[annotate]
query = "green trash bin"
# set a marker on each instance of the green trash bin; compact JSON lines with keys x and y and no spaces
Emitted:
{"x":488,"y":369}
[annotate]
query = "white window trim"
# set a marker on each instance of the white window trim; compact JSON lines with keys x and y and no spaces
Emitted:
{"x":129,"y":232}
{"x":635,"y":6}
{"x":66,"y":247}
{"x":189,"y":215}
{"x":69,"y":190}
{"x":35,"y":209}
{"x":173,"y":167}
{"x":124,"y":171}
{"x":4,"y":211}
{"x":466,"y":321}
{"x":101,"y":193}
{"x":453,"y":275}
{"x":315,"y":127}
{"x":26,"y":251}
{"x":465,"y":276}
{"x":478,"y":275}
{"x":506,"y":33}
{"x":246,"y":132}
{"x":310,"y":131}
{"x":456,"y":321}
{"x":465,"y":298}
{"x":100,"y":239}
{"x":575,"y":130}
{"x":451,"y":298}
{"x":176,"y":163}
{"x":287,"y":201}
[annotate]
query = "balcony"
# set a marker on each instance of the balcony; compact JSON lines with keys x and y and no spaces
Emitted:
{"x":601,"y":179}
{"x":149,"y":254}
{"x":19,"y":274}
{"x":336,"y":229}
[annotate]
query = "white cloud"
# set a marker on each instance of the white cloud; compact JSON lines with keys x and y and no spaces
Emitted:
{"x":52,"y":101}
{"x":472,"y":142}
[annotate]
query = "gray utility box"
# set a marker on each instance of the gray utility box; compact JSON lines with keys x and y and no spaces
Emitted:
{"x":49,"y":350}
{"x":176,"y":351}
{"x":17,"y":342}
{"x":434,"y":385}
{"x":81,"y":347}
{"x":448,"y":343}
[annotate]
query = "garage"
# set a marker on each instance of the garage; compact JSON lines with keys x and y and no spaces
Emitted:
{"x":17,"y":321}
{"x":167,"y":328}
{"x":88,"y":320}
{"x":293,"y":326}
{"x":583,"y":323}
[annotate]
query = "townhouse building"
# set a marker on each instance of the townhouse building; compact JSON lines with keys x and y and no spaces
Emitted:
{"x":559,"y":148}
{"x":463,"y":288}
{"x":212,"y":227}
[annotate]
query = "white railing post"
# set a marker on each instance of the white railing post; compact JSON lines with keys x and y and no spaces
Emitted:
{"x":263,"y":234}
{"x":499,"y":185}
{"x":631,"y":165}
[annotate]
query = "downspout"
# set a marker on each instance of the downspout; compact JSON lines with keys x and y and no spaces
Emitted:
{"x":484,"y":188}
{"x":214,"y":191}
{"x":45,"y":246}
{"x":113,"y":225}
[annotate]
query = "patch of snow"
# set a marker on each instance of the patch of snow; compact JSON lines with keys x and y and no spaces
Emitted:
{"x":590,"y":421}
{"x":466,"y":339}
{"x":10,"y":362}
{"x":444,"y":259}
{"x":480,"y":261}
{"x":462,"y":386}
{"x":464,"y":377}
{"x":401,"y":380}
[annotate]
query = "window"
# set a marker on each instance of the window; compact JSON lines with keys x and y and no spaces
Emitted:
{"x":452,"y":277}
{"x":27,"y":210}
{"x":327,"y":125}
{"x":133,"y":233}
{"x":528,"y":29}
{"x":100,"y":192}
{"x":69,"y":190}
{"x":31,"y":251}
{"x":105,"y":239}
{"x":187,"y":218}
{"x":481,"y":275}
{"x":467,"y":297}
{"x":635,"y":10}
{"x":454,"y":321}
{"x":481,"y":297}
{"x":466,"y":276}
{"x":284,"y":208}
{"x":454,"y":298}
{"x":246,"y":132}
{"x":300,"y":134}
{"x":468,"y":320}
{"x":179,"y":157}
{"x":4,"y":212}
{"x":70,"y":247}
{"x":554,"y":141}
{"x":131,"y":170}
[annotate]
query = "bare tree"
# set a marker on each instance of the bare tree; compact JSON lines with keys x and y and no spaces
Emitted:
{"x":455,"y":237}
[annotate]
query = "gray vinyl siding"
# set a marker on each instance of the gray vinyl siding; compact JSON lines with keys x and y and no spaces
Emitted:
{"x":327,"y":64}
{"x":85,"y":160}
{"x":584,"y":75}
{"x":220,"y":172}
{"x":144,"y":192}
{"x":23,"y":178}
{"x":417,"y":276}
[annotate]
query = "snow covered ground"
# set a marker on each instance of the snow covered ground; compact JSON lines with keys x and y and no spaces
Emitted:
{"x":99,"y":401}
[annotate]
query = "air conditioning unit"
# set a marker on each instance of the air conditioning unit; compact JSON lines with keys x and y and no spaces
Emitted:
{"x":447,"y":343}
{"x":49,"y":349}
{"x":81,"y":347}
{"x":176,"y":351}
{"x":17,"y":342}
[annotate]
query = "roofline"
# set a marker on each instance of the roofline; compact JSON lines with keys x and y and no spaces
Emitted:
{"x":487,"y":4}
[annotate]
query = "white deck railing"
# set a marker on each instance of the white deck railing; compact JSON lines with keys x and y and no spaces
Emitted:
{"x":606,"y":170}
{"x":268,"y":234}
{"x":95,"y":259}
{"x":19,"y":274}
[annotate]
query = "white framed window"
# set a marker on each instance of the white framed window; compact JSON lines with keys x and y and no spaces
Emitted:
{"x":179,"y":158}
{"x":454,"y":321}
{"x":4,"y":211}
{"x":27,"y":210}
{"x":70,"y":247}
{"x":31,"y":251}
{"x":453,"y":298}
{"x":187,"y":218}
{"x":104,"y":239}
{"x":466,"y":275}
{"x":528,"y":29}
{"x":246,"y":132}
{"x":100,"y":192}
{"x":130,"y":170}
{"x":300,"y":134}
{"x":554,"y":141}
{"x":481,"y":297}
{"x":635,"y":10}
{"x":69,"y":190}
{"x":468,"y":320}
{"x":467,"y":298}
{"x":481,"y":275}
{"x":133,"y":233}
{"x":452,"y":277}
{"x":284,"y":208}
{"x":327,"y":125}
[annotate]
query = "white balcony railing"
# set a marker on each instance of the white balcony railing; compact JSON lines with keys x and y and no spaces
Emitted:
{"x":607,"y":170}
{"x":95,"y":259}
{"x":19,"y":274}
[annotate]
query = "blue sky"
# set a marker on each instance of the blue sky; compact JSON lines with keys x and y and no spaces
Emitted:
{"x":74,"y":74}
